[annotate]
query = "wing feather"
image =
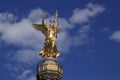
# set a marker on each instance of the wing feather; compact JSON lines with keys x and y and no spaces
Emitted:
{"x":40,"y":27}
{"x":58,"y":30}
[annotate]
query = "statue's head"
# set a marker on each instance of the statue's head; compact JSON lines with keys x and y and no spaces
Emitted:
{"x":52,"y":24}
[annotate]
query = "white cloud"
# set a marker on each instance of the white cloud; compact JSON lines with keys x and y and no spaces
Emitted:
{"x":26,"y":56}
{"x":24,"y":75}
{"x":35,"y":14}
{"x":115,"y":36}
{"x":64,"y":42}
{"x":12,"y":67}
{"x":84,"y":15}
{"x":26,"y":72}
{"x":32,"y":77}
{"x":31,"y":41}
{"x":21,"y":34}
{"x":82,"y":36}
{"x":7,"y":17}
{"x":24,"y":35}
{"x":65,"y":24}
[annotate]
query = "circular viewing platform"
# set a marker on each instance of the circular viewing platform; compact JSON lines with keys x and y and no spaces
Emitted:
{"x":49,"y":69}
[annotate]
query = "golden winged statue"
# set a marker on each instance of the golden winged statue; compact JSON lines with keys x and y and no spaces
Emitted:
{"x":50,"y":32}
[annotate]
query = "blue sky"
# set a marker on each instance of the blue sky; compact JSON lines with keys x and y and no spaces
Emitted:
{"x":89,"y":43}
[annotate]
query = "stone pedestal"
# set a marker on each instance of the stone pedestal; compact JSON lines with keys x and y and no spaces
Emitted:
{"x":49,"y":70}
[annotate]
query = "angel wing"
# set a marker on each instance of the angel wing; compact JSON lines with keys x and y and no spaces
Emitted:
{"x":58,"y":30}
{"x":41,"y":27}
